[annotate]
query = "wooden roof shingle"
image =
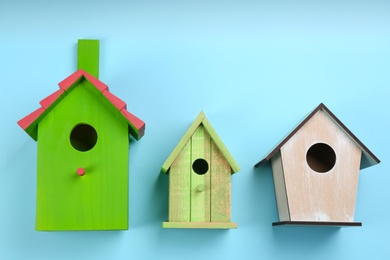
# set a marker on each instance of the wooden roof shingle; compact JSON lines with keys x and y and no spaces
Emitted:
{"x":30,"y":122}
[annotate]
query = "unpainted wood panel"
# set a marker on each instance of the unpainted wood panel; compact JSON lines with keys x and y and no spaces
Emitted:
{"x":280,"y":188}
{"x":328,"y":196}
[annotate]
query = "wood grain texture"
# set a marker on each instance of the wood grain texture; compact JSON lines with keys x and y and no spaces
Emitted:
{"x":280,"y":188}
{"x":314,"y":196}
{"x":200,"y":119}
{"x":199,"y":168}
{"x":88,"y":56}
{"x":220,"y":186}
{"x":180,"y":187}
{"x":99,"y":199}
{"x":221,"y":146}
{"x":367,"y":157}
{"x":183,"y":141}
{"x":200,"y":200}
{"x":203,"y":225}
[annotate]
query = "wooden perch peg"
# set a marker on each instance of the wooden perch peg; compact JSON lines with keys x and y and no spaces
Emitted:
{"x":200,"y":187}
{"x":80,"y":171}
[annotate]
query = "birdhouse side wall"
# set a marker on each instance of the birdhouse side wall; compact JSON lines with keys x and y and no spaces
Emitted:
{"x":280,"y":188}
{"x":97,"y":200}
{"x":321,"y":196}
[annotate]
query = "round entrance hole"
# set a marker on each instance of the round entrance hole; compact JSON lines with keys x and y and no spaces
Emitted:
{"x":200,"y":166}
{"x":320,"y":157}
{"x":83,"y":137}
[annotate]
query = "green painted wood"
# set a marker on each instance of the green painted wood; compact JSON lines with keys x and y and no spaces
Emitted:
{"x":229,"y":158}
{"x":220,"y":192}
{"x":32,"y":129}
{"x":183,"y":141}
{"x":200,"y":200}
{"x":210,"y":192}
{"x":88,"y":56}
{"x":209,"y":225}
{"x":180,"y":187}
{"x":99,"y":199}
{"x":201,"y":119}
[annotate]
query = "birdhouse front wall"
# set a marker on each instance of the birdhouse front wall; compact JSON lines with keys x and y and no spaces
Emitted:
{"x":97,"y":200}
{"x":199,"y":182}
{"x":320,"y":166}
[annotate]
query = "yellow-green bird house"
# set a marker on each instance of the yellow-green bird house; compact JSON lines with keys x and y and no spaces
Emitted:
{"x":82,"y":132}
{"x":200,"y":169}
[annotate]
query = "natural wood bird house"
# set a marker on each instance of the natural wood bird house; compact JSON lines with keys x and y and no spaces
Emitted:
{"x":315,"y":171}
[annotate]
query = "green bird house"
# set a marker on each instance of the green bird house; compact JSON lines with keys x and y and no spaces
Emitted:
{"x":82,"y":131}
{"x":200,"y":169}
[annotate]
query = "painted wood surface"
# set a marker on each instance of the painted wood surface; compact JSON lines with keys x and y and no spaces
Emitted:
{"x":83,"y":146}
{"x":183,"y":141}
{"x":315,"y":196}
{"x":51,"y":99}
{"x":200,"y":119}
{"x":88,"y":56}
{"x":203,"y":225}
{"x":30,"y":122}
{"x":199,"y":197}
{"x":221,"y":189}
{"x":221,"y":146}
{"x":99,"y":199}
{"x":200,"y":200}
{"x":180,"y":187}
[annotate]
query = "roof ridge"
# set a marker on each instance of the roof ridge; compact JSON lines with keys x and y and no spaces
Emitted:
{"x":368,"y":157}
{"x":137,"y":126}
{"x":200,"y":119}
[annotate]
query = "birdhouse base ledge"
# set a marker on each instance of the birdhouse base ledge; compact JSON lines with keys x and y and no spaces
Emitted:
{"x":210,"y":225}
{"x":318,"y":223}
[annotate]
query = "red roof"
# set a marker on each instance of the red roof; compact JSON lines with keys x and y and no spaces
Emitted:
{"x":30,"y":122}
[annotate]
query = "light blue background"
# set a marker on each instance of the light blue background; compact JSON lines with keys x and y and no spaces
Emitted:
{"x":255,"y":68}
